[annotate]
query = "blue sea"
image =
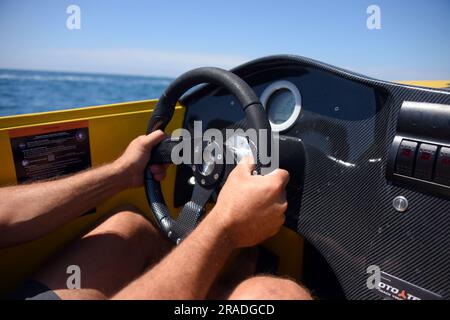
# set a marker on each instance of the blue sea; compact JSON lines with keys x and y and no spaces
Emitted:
{"x":38,"y":91}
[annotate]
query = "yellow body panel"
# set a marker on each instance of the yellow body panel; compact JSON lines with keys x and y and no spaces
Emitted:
{"x":429,"y":83}
{"x":111,"y":128}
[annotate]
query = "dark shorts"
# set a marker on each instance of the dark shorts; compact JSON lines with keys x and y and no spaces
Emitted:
{"x":33,"y":290}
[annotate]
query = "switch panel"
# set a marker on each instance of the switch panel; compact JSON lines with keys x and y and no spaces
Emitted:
{"x":425,"y":165}
{"x":426,"y":156}
{"x":405,"y":158}
{"x":419,"y":157}
{"x":442,"y":171}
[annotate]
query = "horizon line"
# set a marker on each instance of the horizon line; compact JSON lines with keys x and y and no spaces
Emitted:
{"x":88,"y":72}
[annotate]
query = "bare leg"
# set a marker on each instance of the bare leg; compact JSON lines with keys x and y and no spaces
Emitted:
{"x":242,"y":268}
{"x":109,"y":256}
{"x":268,"y":287}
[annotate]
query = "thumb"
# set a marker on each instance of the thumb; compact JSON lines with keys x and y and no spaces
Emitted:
{"x":153,"y":139}
{"x":246,"y":165}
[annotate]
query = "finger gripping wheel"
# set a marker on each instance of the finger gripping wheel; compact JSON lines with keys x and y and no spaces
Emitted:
{"x":177,"y":230}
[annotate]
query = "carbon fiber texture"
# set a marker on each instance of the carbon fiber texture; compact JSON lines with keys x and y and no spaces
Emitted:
{"x":346,"y":207}
{"x":347,"y":213}
{"x":187,"y":220}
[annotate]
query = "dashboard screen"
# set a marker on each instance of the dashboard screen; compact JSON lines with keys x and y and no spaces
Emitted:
{"x":280,"y":106}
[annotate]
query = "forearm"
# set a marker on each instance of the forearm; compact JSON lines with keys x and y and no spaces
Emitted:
{"x":189,"y":270}
{"x":31,"y":211}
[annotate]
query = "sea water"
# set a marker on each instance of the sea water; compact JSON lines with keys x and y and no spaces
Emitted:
{"x":37,"y":91}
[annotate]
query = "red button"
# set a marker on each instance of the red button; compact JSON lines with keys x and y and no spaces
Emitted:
{"x":405,"y":158}
{"x":425,"y":156}
{"x":442,"y":171}
{"x":407,"y":153}
{"x":446,"y":161}
{"x":425,"y":161}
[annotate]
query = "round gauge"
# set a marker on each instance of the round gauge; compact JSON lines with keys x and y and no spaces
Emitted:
{"x":282,"y":102}
{"x":280,"y":106}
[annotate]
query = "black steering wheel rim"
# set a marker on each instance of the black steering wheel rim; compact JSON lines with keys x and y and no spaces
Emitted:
{"x":176,"y":230}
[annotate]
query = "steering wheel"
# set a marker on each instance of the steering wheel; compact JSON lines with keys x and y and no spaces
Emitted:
{"x":210,"y":174}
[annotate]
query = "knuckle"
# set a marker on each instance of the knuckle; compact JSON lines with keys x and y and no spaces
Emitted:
{"x":277,"y":186}
{"x":283,"y":175}
{"x":280,"y":186}
{"x":140,"y":139}
{"x":284,"y":206}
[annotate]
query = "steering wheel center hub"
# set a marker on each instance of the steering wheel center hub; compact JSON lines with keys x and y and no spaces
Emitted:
{"x":211,"y":163}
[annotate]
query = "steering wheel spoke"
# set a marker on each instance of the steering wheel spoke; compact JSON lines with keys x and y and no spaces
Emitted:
{"x":191,"y":213}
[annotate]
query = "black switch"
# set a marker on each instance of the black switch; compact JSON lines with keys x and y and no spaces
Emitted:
{"x":425,"y":161}
{"x":442,"y":171}
{"x":405,"y":158}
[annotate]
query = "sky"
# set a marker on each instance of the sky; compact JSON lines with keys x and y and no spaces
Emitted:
{"x":168,"y":37}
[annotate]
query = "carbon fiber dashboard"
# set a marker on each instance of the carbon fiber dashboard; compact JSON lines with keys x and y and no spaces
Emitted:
{"x":348,"y":123}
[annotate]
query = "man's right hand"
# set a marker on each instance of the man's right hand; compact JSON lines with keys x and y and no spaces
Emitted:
{"x":251,"y":208}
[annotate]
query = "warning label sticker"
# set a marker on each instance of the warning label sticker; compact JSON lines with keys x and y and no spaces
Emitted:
{"x":50,"y":151}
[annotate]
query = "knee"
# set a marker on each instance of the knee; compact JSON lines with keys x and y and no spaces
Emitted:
{"x":126,"y":222}
{"x":127,"y":225}
{"x":269,"y":288}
